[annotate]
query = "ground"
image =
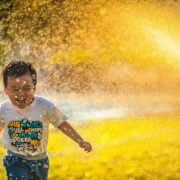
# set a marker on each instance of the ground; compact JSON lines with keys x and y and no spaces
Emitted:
{"x":131,"y":148}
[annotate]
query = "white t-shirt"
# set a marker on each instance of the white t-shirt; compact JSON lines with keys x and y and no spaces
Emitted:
{"x":25,"y":131}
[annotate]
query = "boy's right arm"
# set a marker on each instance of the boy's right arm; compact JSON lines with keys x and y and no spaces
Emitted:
{"x":1,"y":124}
{"x":1,"y":119}
{"x":1,"y":128}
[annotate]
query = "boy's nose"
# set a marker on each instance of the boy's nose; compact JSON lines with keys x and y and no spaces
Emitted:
{"x":21,"y":93}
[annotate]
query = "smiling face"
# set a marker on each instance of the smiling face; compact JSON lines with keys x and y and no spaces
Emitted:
{"x":20,"y":90}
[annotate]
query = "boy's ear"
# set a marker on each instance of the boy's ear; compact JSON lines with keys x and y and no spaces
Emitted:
{"x":5,"y":90}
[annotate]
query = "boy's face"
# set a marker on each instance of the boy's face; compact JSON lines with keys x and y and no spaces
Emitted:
{"x":20,"y":90}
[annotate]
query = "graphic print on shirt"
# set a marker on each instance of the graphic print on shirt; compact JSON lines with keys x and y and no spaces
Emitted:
{"x":25,"y":135}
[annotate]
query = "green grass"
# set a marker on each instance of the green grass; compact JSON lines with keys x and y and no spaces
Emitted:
{"x":133,"y":148}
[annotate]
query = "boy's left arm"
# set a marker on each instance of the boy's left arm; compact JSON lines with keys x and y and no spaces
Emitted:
{"x":67,"y":129}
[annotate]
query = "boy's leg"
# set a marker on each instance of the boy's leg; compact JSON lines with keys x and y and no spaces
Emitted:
{"x":15,"y":169}
{"x":18,"y":168}
{"x":43,"y":167}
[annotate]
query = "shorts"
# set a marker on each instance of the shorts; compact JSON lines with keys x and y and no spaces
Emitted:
{"x":20,"y":168}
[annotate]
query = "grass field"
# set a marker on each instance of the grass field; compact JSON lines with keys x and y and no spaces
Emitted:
{"x":132,"y":148}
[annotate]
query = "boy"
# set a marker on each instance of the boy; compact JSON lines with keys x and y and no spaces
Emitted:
{"x":25,"y":120}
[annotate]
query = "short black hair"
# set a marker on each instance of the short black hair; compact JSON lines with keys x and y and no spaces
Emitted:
{"x":17,"y":69}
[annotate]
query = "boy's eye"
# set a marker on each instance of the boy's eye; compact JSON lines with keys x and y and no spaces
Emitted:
{"x":15,"y":89}
{"x":27,"y":88}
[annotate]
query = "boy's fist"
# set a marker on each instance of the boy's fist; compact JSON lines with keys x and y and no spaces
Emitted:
{"x":87,"y":146}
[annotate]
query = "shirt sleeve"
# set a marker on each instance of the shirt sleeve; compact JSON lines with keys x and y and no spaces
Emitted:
{"x":55,"y":116}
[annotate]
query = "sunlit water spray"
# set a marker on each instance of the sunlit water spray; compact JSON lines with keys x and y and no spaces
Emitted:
{"x":124,"y":43}
{"x":133,"y":34}
{"x":86,"y":109}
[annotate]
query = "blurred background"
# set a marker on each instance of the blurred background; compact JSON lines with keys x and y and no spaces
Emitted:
{"x":112,"y":66}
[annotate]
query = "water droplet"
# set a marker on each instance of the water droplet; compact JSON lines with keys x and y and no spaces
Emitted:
{"x":45,"y":166}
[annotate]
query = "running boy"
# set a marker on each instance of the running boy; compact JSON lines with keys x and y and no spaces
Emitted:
{"x":25,"y":120}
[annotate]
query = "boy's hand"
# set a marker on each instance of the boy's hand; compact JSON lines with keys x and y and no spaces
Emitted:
{"x":87,"y":146}
{"x":67,"y":129}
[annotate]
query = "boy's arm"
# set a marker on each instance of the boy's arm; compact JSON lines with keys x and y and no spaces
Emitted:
{"x":0,"y":131}
{"x":67,"y":129}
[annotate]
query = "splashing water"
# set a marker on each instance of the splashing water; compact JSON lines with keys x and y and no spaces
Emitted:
{"x":117,"y":49}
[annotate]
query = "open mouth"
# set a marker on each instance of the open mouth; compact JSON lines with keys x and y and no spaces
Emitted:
{"x":21,"y":101}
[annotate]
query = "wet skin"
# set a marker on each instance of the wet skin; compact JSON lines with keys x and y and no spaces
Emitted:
{"x":20,"y":90}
